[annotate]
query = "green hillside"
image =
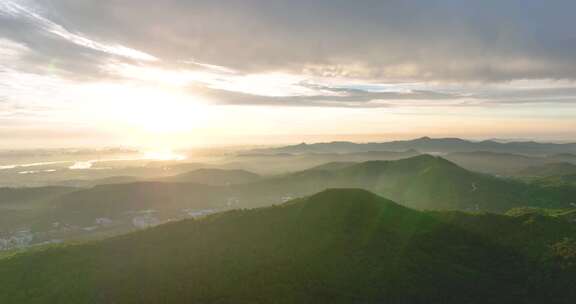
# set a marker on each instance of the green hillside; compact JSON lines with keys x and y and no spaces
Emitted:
{"x":338,"y":246}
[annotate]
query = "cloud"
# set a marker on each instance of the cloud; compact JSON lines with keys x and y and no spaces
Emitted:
{"x":15,"y":10}
{"x":321,"y":53}
{"x":445,"y":40}
{"x":49,"y":47}
{"x":346,"y":98}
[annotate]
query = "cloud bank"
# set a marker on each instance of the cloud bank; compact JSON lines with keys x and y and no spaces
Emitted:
{"x":57,"y":55}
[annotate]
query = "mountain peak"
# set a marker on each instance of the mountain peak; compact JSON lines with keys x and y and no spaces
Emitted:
{"x":343,"y":193}
{"x":427,"y":158}
{"x":350,"y":198}
{"x":423,"y":157}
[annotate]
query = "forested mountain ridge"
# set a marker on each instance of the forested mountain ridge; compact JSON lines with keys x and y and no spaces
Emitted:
{"x":338,"y":246}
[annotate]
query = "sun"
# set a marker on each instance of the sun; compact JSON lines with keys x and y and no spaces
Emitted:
{"x":164,"y":155}
{"x":161,"y":112}
{"x":153,"y":110}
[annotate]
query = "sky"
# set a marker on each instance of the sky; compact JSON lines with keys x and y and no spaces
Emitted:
{"x":179,"y":73}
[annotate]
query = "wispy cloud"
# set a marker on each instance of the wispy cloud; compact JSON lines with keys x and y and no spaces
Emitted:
{"x":13,"y":9}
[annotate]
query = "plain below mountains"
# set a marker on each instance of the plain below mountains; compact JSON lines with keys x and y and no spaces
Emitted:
{"x":338,"y":246}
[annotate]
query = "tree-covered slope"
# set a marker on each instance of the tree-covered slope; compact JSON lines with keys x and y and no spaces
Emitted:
{"x":338,"y":246}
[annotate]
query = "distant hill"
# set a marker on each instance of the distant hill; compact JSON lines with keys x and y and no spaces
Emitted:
{"x":494,"y":162}
{"x":19,"y":207}
{"x":551,"y":169}
{"x":207,"y":176}
{"x":278,"y":163}
{"x":565,"y":214}
{"x":558,"y":181}
{"x":513,"y":164}
{"x":214,"y":177}
{"x":565,"y":157}
{"x":429,"y":145}
{"x":423,"y":182}
{"x":30,"y":197}
{"x":338,"y":246}
{"x":86,"y":183}
{"x":14,"y":220}
{"x":332,"y":166}
{"x":115,"y":201}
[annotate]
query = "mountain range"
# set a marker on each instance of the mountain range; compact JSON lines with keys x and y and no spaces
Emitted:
{"x":422,"y":182}
{"x":512,"y":164}
{"x":428,"y":145}
{"x":425,"y":182}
